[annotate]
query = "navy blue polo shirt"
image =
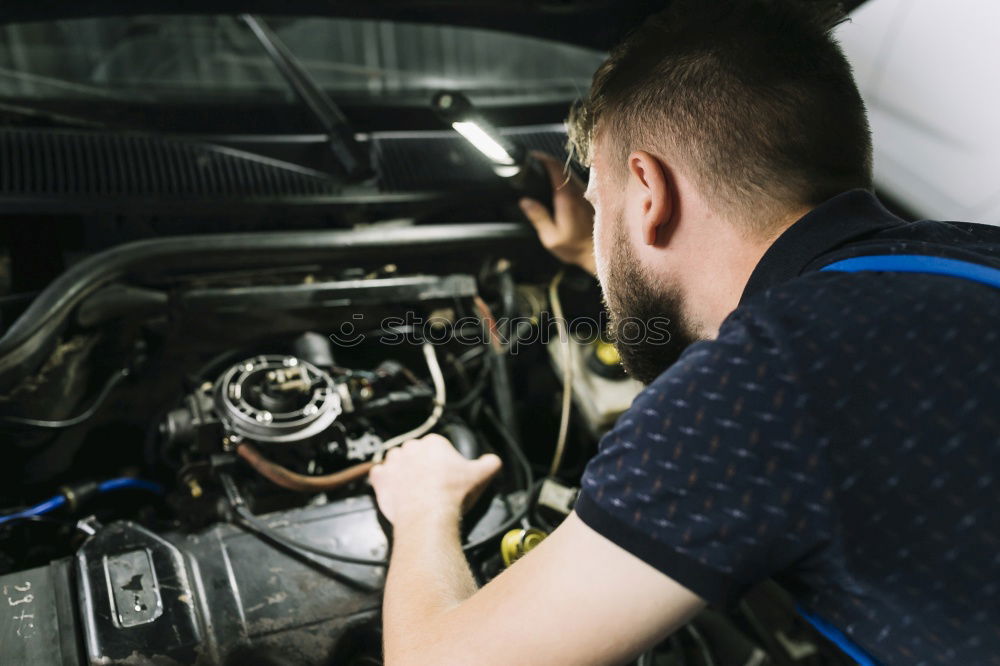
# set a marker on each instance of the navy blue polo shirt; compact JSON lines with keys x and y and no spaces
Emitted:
{"x":841,"y":435}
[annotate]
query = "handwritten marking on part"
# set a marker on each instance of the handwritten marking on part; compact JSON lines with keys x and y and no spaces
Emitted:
{"x":25,"y":620}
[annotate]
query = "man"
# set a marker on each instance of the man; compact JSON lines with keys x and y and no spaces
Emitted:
{"x":834,"y":431}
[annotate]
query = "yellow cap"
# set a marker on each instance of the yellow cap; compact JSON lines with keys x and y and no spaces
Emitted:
{"x":606,"y":353}
{"x":516,"y":543}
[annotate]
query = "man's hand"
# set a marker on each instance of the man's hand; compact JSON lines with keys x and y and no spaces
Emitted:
{"x":575,"y":599}
{"x":569,"y":232}
{"x":428,"y":479}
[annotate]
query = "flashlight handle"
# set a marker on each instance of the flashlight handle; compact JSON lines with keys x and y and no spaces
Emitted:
{"x":533,"y":182}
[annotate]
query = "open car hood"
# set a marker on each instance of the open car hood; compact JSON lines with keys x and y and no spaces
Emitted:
{"x":594,"y":23}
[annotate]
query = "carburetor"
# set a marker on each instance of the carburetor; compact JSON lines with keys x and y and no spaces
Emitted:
{"x":298,"y":406}
{"x":273,"y":398}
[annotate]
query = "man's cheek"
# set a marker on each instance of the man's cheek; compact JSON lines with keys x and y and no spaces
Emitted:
{"x":600,"y":245}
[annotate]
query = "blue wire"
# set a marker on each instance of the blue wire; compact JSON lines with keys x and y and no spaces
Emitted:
{"x":128,"y":482}
{"x":53,"y":503}
{"x":48,"y":505}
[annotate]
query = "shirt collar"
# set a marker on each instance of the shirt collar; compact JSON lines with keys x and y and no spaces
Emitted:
{"x":830,"y":225}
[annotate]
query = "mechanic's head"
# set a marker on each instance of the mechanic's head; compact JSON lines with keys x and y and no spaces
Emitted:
{"x":709,"y":131}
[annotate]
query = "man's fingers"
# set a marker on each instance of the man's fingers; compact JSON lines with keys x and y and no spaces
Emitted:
{"x":489,"y":464}
{"x":559,"y":174}
{"x":434,"y":438}
{"x":486,"y":467}
{"x":555,"y":169}
{"x":539,"y":217}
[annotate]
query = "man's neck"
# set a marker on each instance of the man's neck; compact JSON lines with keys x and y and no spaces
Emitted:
{"x":719,"y":279}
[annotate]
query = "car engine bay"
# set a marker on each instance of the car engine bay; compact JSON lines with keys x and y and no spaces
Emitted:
{"x":252,"y":522}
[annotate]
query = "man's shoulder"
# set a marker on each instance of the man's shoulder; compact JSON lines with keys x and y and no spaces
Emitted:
{"x":822,"y":318}
{"x":966,"y":241}
{"x":941,"y":237}
{"x":815,"y":296}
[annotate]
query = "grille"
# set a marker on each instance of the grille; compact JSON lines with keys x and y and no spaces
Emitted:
{"x":34,"y":162}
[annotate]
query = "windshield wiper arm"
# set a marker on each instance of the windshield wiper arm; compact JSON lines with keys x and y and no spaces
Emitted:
{"x":350,"y":154}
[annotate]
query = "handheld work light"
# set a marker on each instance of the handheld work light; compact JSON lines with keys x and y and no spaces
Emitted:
{"x":509,"y":159}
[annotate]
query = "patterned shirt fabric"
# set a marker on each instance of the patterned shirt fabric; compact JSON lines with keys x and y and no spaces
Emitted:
{"x":841,"y":436}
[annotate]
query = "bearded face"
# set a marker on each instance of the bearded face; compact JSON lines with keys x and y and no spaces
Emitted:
{"x":646,"y":321}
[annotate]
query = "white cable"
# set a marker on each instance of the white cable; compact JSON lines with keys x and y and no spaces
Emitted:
{"x":439,"y":399}
{"x":567,"y":374}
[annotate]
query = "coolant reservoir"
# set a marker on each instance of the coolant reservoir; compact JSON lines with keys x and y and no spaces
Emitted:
{"x":601,"y":389}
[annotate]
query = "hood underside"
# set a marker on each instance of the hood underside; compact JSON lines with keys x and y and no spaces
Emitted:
{"x":593,"y":23}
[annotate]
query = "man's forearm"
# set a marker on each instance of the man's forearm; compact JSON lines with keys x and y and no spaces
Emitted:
{"x":428,"y":576}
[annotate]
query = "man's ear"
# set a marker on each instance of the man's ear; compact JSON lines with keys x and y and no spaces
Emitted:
{"x":655,"y":196}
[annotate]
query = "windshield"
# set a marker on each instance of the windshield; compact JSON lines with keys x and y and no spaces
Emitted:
{"x":195,"y":59}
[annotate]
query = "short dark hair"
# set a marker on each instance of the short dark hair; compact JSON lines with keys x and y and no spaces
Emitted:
{"x":755,"y":96}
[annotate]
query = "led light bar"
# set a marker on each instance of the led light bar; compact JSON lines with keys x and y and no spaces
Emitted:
{"x":510,"y":160}
{"x":483,"y":142}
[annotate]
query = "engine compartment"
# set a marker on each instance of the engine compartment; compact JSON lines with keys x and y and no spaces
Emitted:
{"x":209,"y":446}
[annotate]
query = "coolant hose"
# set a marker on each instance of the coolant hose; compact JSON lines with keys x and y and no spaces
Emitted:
{"x":463,"y":439}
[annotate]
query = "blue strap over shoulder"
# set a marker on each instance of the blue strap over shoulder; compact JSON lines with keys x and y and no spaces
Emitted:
{"x":838,"y":638}
{"x":918,"y":263}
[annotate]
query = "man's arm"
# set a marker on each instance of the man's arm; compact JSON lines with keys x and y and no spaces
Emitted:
{"x":575,"y":599}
